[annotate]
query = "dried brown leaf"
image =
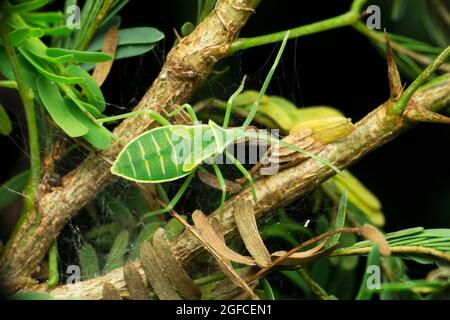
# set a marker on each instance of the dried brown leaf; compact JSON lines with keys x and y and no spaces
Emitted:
{"x":300,"y":258}
{"x":135,"y":283}
{"x":217,"y":227}
{"x":246,"y":223}
{"x":215,"y":245}
{"x":172,"y":267}
{"x":205,"y":229}
{"x":155,"y":276}
{"x":371,"y":233}
{"x":110,"y":292}
{"x":101,"y":70}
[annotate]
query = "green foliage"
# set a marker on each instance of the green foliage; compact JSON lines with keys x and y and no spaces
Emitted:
{"x":89,"y":263}
{"x":69,"y":94}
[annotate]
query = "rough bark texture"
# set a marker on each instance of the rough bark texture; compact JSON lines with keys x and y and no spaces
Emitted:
{"x":187,"y":65}
{"x":377,"y":128}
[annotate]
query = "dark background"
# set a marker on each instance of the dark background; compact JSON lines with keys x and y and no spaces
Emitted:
{"x":339,"y":68}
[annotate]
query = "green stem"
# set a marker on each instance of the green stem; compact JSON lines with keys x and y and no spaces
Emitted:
{"x":27,"y":97}
{"x":315,"y":287}
{"x":53,"y":275}
{"x":400,"y":106}
{"x":343,"y":20}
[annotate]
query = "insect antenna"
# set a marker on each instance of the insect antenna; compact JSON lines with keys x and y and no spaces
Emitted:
{"x":255,"y":105}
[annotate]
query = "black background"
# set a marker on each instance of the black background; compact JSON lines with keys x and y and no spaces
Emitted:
{"x":339,"y":68}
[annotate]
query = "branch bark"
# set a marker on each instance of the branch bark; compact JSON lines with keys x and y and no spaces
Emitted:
{"x":373,"y":131}
{"x":187,"y":65}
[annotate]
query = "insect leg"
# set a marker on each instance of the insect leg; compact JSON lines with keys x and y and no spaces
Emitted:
{"x":175,"y":199}
{"x":255,"y":105}
{"x":244,"y":172}
{"x":189,"y":109}
{"x":227,"y":116}
{"x":222,"y":186}
{"x":152,"y":114}
{"x":271,"y":139}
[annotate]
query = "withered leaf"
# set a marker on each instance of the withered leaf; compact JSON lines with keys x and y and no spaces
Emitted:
{"x":135,"y":283}
{"x":110,"y":292}
{"x":101,"y":70}
{"x":248,"y":229}
{"x":205,"y":229}
{"x":155,"y":276}
{"x":371,"y":233}
{"x":303,"y":257}
{"x":172,"y":267}
{"x":215,"y":245}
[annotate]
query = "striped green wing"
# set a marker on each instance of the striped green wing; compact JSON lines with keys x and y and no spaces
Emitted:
{"x":152,"y":157}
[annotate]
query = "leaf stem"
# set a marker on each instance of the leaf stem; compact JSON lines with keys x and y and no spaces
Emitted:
{"x":343,"y":20}
{"x":27,"y":97}
{"x":400,"y":106}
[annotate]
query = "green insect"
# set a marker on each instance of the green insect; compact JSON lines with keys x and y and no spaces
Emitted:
{"x":171,"y":152}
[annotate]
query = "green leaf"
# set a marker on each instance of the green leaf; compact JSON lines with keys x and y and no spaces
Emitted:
{"x":19,"y":35}
{"x":174,"y":227}
{"x":130,"y":36}
{"x":57,"y":31}
{"x":112,"y":13}
{"x":373,"y":259}
{"x":115,"y":256}
{"x":11,"y":189}
{"x":5,"y":67}
{"x":121,"y":212}
{"x":47,"y":17}
{"x":133,"y":50}
{"x":268,"y":292}
{"x":78,"y":56}
{"x":5,"y":122}
{"x":42,"y":69}
{"x":187,"y":28}
{"x":97,"y":135}
{"x":52,"y":100}
{"x":90,"y":87}
{"x":340,"y":220}
{"x":88,"y":262}
{"x":26,"y":6}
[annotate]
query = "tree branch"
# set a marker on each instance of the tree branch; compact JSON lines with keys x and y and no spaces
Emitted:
{"x":187,"y":65}
{"x":373,"y":131}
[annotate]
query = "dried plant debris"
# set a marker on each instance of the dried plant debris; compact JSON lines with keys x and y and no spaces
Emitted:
{"x":370,"y":232}
{"x":135,"y":284}
{"x":101,"y":70}
{"x":215,"y":242}
{"x":300,"y":258}
{"x":110,"y":292}
{"x":155,"y":276}
{"x":217,"y":247}
{"x":172,"y":267}
{"x":248,"y":230}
